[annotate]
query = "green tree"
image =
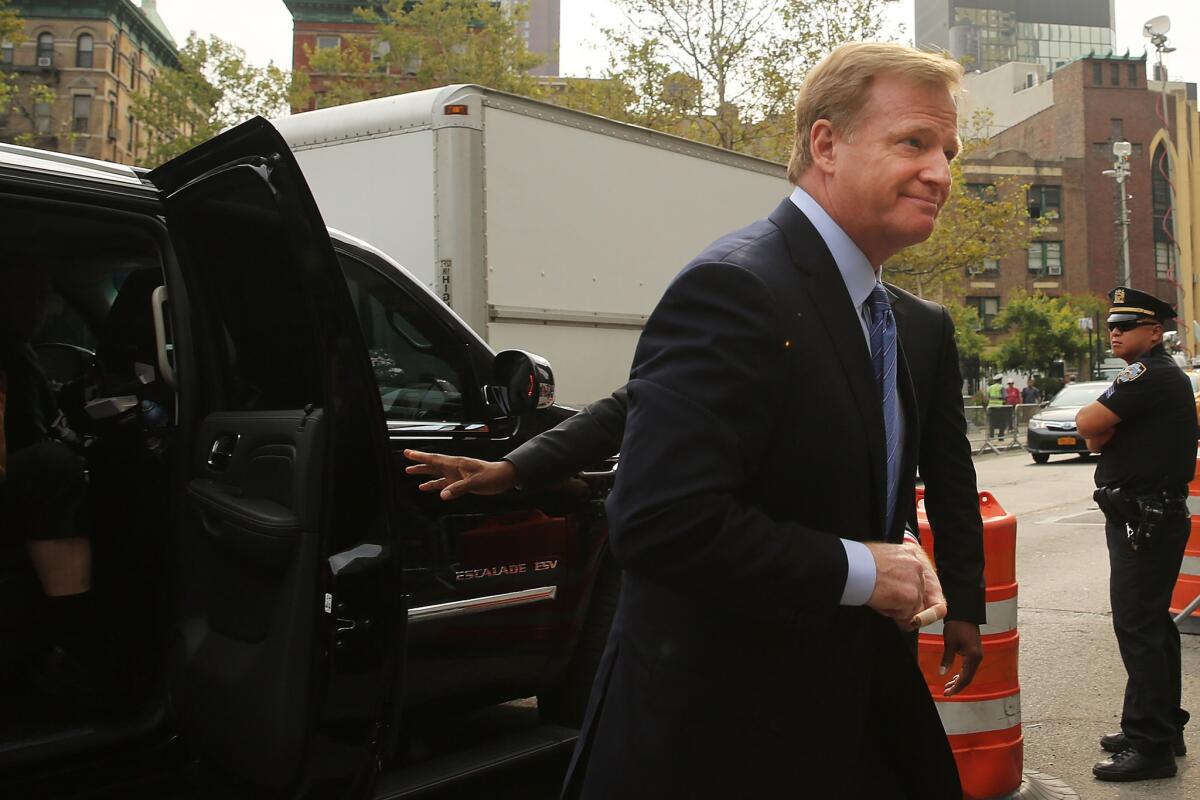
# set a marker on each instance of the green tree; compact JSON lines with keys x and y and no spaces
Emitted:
{"x":1041,"y":330}
{"x":17,"y":97}
{"x":214,"y":87}
{"x":966,"y":330}
{"x":419,"y":45}
{"x":11,"y":32}
{"x":726,"y":71}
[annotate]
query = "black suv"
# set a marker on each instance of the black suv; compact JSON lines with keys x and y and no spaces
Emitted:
{"x":286,"y":606}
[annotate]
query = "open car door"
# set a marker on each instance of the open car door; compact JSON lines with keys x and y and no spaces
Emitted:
{"x":291,"y":612}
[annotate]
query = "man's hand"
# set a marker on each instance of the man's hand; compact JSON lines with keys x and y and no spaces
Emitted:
{"x":900,"y":581}
{"x":459,"y":475}
{"x":935,"y":601}
{"x":961,"y":638}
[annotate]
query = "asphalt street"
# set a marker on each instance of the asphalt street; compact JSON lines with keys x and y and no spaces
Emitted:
{"x":1071,"y":675}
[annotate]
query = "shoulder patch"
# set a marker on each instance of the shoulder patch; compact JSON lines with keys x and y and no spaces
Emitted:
{"x":1131,"y":373}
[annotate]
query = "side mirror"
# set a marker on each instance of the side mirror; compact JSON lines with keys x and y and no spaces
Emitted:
{"x":525,"y":381}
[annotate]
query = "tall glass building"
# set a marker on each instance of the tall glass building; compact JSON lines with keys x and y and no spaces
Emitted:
{"x":984,"y":34}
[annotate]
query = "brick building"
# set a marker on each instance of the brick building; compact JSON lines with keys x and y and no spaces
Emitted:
{"x":1057,"y":136}
{"x":319,"y":24}
{"x":94,"y":55}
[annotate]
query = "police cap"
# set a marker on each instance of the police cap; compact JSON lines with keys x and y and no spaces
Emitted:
{"x":1130,"y":304}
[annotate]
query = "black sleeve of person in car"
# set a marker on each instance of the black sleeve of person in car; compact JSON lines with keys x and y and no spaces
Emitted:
{"x":30,"y":409}
{"x":589,"y":437}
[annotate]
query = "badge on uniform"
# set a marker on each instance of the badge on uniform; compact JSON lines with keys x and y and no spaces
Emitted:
{"x":1118,"y":296}
{"x":1131,"y":373}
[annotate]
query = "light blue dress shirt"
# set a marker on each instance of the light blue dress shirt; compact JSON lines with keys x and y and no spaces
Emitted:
{"x":860,"y":277}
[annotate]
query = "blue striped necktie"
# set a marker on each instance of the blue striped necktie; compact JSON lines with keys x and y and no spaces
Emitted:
{"x":883,"y":358}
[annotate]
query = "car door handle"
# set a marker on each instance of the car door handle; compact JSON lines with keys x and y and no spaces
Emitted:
{"x":221,"y":452}
{"x":612,"y":465}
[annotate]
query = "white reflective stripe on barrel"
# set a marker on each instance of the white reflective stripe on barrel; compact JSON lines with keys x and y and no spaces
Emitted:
{"x":1001,"y":618}
{"x":1194,"y":505}
{"x":1190,"y":565}
{"x":980,"y":716}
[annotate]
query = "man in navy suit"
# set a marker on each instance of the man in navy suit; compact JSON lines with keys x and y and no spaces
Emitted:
{"x":780,"y":399}
{"x":767,"y":475}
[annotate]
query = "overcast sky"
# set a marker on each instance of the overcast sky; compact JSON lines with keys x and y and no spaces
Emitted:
{"x":264,"y":29}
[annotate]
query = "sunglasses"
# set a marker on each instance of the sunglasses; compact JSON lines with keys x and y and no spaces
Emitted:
{"x":1128,"y":325}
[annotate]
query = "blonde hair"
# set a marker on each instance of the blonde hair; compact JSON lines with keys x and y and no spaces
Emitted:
{"x":837,"y":89}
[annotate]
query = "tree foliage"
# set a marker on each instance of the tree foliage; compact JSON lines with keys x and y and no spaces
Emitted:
{"x":966,"y":330}
{"x":421,"y":45}
{"x":11,"y":31}
{"x":726,"y":71}
{"x":20,"y":97}
{"x":215,"y":87}
{"x":1041,"y":330}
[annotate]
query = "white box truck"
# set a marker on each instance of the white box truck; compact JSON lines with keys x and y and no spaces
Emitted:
{"x":544,"y":228}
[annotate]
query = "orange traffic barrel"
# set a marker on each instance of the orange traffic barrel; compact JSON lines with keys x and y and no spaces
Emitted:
{"x":1187,"y":586}
{"x":983,"y":722}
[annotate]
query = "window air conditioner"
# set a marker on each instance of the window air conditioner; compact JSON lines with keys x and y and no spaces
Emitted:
{"x":43,"y":61}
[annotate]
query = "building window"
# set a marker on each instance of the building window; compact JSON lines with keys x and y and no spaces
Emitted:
{"x":6,"y":52}
{"x":41,"y":117}
{"x":131,"y":146}
{"x":1133,"y":75}
{"x":112,"y":119}
{"x":1097,"y":73}
{"x":982,"y":191}
{"x":1164,"y":224}
{"x":987,"y":267}
{"x":45,"y":50}
{"x":328,"y":42}
{"x":116,"y":49}
{"x":1116,"y":130}
{"x":81,"y":113}
{"x":1045,"y":201}
{"x":986,"y":308}
{"x":1045,"y":258}
{"x":83,"y":51}
{"x":1116,"y":74}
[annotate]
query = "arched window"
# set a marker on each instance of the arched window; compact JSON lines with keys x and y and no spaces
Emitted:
{"x":45,"y":50}
{"x":83,"y":50}
{"x":1164,"y":222}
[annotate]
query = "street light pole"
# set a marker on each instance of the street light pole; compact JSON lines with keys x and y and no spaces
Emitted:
{"x":1119,"y":173}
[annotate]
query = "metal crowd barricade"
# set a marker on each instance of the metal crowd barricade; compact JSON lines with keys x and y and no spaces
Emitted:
{"x":1012,"y":421}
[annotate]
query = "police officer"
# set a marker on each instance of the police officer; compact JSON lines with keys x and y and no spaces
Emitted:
{"x":1144,"y":427}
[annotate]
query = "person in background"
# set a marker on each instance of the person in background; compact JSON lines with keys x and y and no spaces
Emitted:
{"x":42,"y":496}
{"x":1144,"y":427}
{"x":997,"y":413}
{"x":1031,"y":395}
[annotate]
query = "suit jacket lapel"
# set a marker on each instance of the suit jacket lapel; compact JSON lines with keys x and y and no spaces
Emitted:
{"x":830,"y":302}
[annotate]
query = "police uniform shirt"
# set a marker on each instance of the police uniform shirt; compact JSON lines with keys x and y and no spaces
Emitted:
{"x":1155,"y":442}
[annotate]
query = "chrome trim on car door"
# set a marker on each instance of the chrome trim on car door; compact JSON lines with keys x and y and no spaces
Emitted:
{"x":475,"y":605}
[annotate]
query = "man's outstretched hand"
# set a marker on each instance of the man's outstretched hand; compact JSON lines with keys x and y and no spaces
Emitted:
{"x":457,"y":475}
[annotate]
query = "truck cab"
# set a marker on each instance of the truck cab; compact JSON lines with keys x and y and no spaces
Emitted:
{"x":283,"y":606}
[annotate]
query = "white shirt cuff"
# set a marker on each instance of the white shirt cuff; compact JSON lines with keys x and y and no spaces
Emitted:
{"x":860,"y":575}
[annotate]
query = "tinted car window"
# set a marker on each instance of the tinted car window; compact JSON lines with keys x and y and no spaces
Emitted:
{"x":420,"y":367}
